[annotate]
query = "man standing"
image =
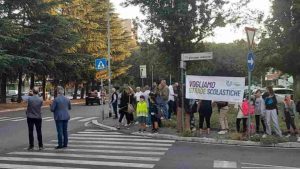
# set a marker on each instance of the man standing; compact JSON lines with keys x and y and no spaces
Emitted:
{"x":171,"y":101}
{"x":34,"y":118}
{"x":114,"y":102}
{"x":60,"y":107}
{"x":163,"y":97}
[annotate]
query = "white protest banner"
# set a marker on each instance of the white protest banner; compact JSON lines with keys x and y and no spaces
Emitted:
{"x":229,"y":89}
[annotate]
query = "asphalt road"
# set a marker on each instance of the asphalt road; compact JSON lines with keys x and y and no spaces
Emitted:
{"x":92,"y":147}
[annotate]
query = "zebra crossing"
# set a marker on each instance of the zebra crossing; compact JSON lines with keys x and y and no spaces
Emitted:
{"x":92,"y":148}
{"x":46,"y":119}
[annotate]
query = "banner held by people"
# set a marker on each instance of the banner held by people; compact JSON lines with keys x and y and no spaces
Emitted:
{"x":229,"y":89}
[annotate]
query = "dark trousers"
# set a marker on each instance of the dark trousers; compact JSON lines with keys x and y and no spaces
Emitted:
{"x":38,"y":127}
{"x":115,"y":108}
{"x":289,"y":121}
{"x":207,"y":121}
{"x":62,"y":132}
{"x":258,"y":119}
{"x":171,"y":108}
{"x":238,"y":124}
{"x":122,"y":114}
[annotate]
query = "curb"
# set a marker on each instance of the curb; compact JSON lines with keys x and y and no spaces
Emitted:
{"x":205,"y":140}
{"x":95,"y":122}
{"x":24,"y":108}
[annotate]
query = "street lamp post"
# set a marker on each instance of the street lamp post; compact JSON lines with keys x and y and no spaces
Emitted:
{"x":250,"y":62}
{"x":108,"y":49}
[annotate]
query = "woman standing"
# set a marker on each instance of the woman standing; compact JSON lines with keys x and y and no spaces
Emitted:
{"x":289,"y":114}
{"x":123,"y":107}
{"x":241,"y":117}
{"x":205,"y":111}
{"x":259,"y":111}
{"x":223,"y":109}
{"x":271,"y":112}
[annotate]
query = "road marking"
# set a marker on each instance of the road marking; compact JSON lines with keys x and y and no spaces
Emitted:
{"x":108,"y":151}
{"x":52,"y":119}
{"x":45,"y":118}
{"x":75,"y":118}
{"x":87,"y":132}
{"x":1,"y":118}
{"x":111,"y":146}
{"x":117,"y":143}
{"x":87,"y":156}
{"x":9,"y":119}
{"x":122,"y":139}
{"x":88,"y":119}
{"x":106,"y":135}
{"x":20,"y":119}
{"x":22,"y":166}
{"x":267,"y":166}
{"x":80,"y":162}
{"x":225,"y":164}
{"x":93,"y":130}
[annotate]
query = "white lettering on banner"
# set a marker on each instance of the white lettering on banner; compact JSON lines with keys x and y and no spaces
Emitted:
{"x":229,"y":89}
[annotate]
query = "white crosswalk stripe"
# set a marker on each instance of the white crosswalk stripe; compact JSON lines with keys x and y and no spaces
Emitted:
{"x":99,"y":148}
{"x":49,"y":119}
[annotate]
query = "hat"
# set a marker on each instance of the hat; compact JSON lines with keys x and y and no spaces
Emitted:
{"x":142,"y":97}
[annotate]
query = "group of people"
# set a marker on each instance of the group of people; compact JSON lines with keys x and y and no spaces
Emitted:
{"x":150,"y":105}
{"x":160,"y":102}
{"x":60,"y":108}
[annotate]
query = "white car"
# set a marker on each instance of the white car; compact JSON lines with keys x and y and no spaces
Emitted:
{"x":282,"y":92}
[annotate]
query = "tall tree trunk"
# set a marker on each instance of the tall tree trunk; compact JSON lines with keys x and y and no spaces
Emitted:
{"x":55,"y":87}
{"x":20,"y":87}
{"x":44,"y":87}
{"x":3,"y":88}
{"x":82,"y":92}
{"x":75,"y":90}
{"x":87,"y":88}
{"x":32,"y":81}
{"x":296,"y":87}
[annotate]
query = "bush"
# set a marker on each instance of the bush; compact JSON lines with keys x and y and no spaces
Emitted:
{"x":170,"y":123}
{"x":269,"y":140}
{"x":187,"y":133}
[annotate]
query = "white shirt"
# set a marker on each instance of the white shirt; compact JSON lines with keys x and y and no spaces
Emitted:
{"x":146,"y":95}
{"x":137,"y":95}
{"x":171,"y":93}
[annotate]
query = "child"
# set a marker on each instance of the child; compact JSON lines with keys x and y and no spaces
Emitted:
{"x":289,"y":114}
{"x":142,"y":113}
{"x":241,"y":117}
{"x":153,"y":112}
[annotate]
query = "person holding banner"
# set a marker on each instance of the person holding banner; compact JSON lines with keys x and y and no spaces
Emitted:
{"x":223,"y":109}
{"x":205,"y":112}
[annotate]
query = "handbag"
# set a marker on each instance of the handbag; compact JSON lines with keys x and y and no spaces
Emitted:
{"x":130,"y":108}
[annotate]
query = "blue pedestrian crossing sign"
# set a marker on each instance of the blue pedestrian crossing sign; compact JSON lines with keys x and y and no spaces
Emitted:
{"x":250,"y":61}
{"x":101,"y":64}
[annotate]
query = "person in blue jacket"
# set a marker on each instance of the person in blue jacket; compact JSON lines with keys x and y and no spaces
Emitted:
{"x":60,"y":108}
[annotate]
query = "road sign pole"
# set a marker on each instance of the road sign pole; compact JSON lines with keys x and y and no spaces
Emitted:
{"x":182,"y":99}
{"x":249,"y":104}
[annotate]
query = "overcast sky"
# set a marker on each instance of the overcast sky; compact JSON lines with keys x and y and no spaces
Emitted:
{"x":227,"y":34}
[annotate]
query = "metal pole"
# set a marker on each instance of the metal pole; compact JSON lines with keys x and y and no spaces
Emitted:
{"x":108,"y":49}
{"x":249,"y":104}
{"x":182,"y":99}
{"x":152,"y":75}
{"x":170,"y":79}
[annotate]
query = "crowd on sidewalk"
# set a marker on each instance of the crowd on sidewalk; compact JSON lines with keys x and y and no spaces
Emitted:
{"x":148,"y":107}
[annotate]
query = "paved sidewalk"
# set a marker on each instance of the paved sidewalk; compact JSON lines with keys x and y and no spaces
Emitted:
{"x":168,"y":133}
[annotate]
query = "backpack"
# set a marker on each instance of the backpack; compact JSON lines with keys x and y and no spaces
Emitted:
{"x":246,"y":109}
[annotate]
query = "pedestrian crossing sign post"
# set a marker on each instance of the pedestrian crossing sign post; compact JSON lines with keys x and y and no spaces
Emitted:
{"x":101,"y":64}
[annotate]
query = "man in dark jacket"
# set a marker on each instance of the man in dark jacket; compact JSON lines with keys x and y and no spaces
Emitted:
{"x":60,"y":107}
{"x":34,"y":118}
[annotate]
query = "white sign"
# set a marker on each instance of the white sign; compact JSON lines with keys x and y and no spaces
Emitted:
{"x":229,"y":89}
{"x":143,"y":71}
{"x":196,"y":56}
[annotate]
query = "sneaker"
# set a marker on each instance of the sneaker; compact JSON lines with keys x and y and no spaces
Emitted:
{"x":30,"y":148}
{"x":222,"y":132}
{"x":264,"y":136}
{"x":194,"y":129}
{"x":287,"y":136}
{"x":140,"y":130}
{"x":126,"y":125}
{"x":144,"y":130}
{"x":41,"y":148}
{"x":136,"y":122}
{"x":298,"y":140}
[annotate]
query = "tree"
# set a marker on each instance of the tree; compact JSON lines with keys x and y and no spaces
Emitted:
{"x":280,"y":44}
{"x":182,"y":25}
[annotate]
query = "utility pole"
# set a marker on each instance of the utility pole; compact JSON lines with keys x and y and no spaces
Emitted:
{"x":108,"y":49}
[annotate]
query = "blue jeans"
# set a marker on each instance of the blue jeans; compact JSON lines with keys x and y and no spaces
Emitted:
{"x":62,"y":131}
{"x":164,"y":107}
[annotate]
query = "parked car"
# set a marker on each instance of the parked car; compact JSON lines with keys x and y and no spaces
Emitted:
{"x":14,"y":98}
{"x":11,"y":93}
{"x":92,"y":98}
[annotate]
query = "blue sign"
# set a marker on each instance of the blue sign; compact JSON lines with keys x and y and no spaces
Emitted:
{"x":250,"y":61}
{"x":101,"y":64}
